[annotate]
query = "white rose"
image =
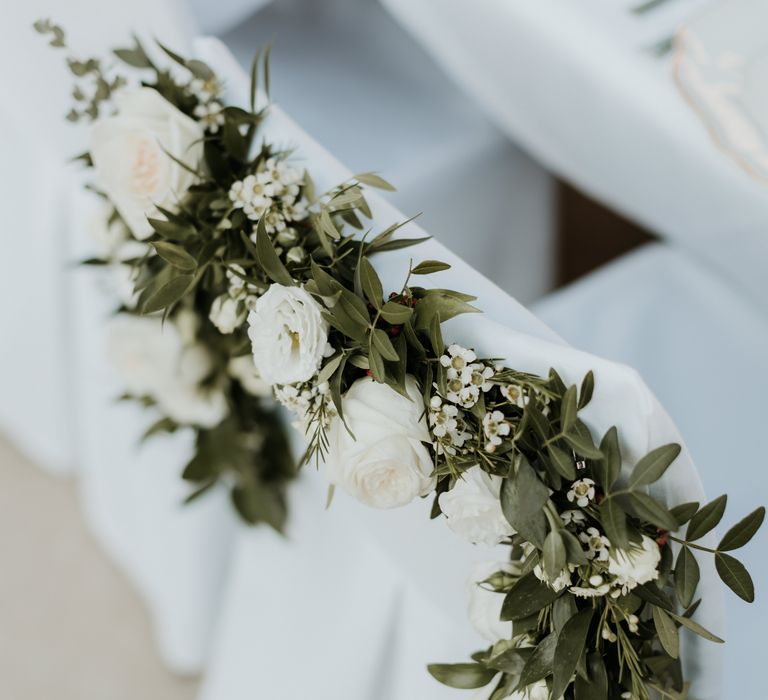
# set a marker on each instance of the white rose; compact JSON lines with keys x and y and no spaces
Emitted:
{"x":473,"y":508}
{"x":385,"y":464}
{"x":288,"y":335}
{"x":153,"y":360}
{"x":130,"y":155}
{"x":143,"y":352}
{"x":485,"y":604}
{"x":226,"y":314}
{"x":635,"y":566}
{"x":244,"y":370}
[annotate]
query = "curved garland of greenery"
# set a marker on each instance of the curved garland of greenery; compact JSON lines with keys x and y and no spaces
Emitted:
{"x":590,"y":619}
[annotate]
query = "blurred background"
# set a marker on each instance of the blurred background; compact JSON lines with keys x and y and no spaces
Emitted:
{"x":602,"y":161}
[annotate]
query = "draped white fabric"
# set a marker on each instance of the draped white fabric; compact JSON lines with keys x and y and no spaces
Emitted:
{"x":702,"y":349}
{"x":352,"y":603}
{"x":579,"y":86}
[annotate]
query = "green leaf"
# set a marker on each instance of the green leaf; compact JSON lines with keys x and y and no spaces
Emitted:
{"x":743,"y":531}
{"x":374,"y":180}
{"x":394,"y":245}
{"x":570,"y":647}
{"x":523,"y":496}
{"x":168,"y":294}
{"x":260,"y":504}
{"x":378,"y":371}
{"x":735,"y":576}
{"x":667,"y":631}
{"x":329,"y":368}
{"x":171,"y":229}
{"x":648,"y":508}
{"x":539,"y":665}
{"x":429,"y":266}
{"x":462,"y":676}
{"x":384,"y":345}
{"x":268,"y":259}
{"x":706,"y":519}
{"x":554,"y":554}
{"x":526,"y":598}
{"x":573,"y":548}
{"x":651,"y":467}
{"x":587,"y":389}
{"x":370,"y":283}
{"x":684,"y":512}
{"x":596,"y":686}
{"x":135,"y":57}
{"x":569,"y":409}
{"x":395,"y":313}
{"x":563,"y":462}
{"x":446,"y":305}
{"x":580,"y":440}
{"x":686,"y":576}
{"x":175,"y":255}
{"x":614,"y":522}
{"x":696,"y":628}
{"x":609,"y":466}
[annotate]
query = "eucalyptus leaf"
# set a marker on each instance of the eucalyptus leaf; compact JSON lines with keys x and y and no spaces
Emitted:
{"x":651,"y":467}
{"x":462,"y":676}
{"x":175,"y":255}
{"x":527,"y":597}
{"x":427,"y":267}
{"x":686,"y":576}
{"x":706,"y":519}
{"x":539,"y":665}
{"x":667,"y":631}
{"x":735,"y":576}
{"x":570,"y":647}
{"x":743,"y":531}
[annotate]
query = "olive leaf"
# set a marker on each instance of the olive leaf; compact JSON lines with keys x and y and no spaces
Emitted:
{"x":706,"y":519}
{"x":743,"y":531}
{"x":570,"y":647}
{"x":667,"y":630}
{"x":686,"y":576}
{"x":651,"y":467}
{"x":462,"y":676}
{"x":735,"y":576}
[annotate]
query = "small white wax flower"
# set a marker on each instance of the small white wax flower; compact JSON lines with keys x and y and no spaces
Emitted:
{"x":635,"y":566}
{"x":582,"y":491}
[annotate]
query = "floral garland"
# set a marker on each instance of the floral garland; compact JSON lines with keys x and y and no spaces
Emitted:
{"x":264,"y":292}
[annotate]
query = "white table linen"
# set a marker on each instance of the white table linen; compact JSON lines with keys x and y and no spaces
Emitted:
{"x":385,"y":587}
{"x":576,"y":84}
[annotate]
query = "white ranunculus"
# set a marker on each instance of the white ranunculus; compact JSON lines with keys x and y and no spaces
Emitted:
{"x":288,"y":335}
{"x":473,"y":508}
{"x":154,"y":360}
{"x":244,"y":370}
{"x":130,"y":156}
{"x":226,"y":314}
{"x":485,"y":604}
{"x":385,"y":464}
{"x":635,"y":566}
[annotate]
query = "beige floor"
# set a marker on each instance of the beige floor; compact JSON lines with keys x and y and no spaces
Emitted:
{"x":70,"y":626}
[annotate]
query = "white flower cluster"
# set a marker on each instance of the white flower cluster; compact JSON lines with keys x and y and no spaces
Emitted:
{"x":466,"y":377}
{"x":447,"y":425}
{"x":208,"y":110}
{"x":273,"y":193}
{"x":310,"y":402}
{"x":229,"y":310}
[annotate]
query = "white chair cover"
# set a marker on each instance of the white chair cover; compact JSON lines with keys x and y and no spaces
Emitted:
{"x":702,"y":348}
{"x":373,"y":596}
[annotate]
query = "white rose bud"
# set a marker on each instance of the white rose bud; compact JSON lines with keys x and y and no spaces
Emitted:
{"x":130,"y":156}
{"x":473,"y":508}
{"x":485,"y":604}
{"x":226,"y":314}
{"x":385,"y":464}
{"x":635,"y":566}
{"x":288,"y":335}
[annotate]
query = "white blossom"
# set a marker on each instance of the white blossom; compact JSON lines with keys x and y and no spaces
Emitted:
{"x":210,"y":114}
{"x":597,"y":544}
{"x":244,"y":371}
{"x":495,"y":427}
{"x":634,"y":566}
{"x":227,"y":314}
{"x":573,"y":517}
{"x":582,"y":491}
{"x":514,"y":394}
